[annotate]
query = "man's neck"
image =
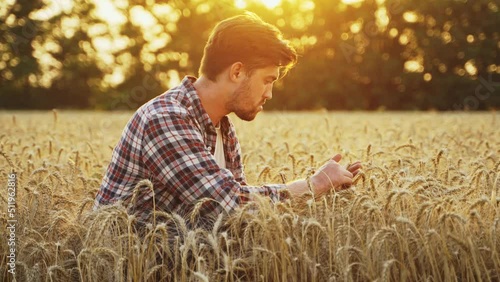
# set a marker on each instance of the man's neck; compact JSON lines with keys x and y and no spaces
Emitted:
{"x":212,"y":96}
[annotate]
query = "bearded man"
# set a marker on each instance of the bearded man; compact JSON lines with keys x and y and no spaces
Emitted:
{"x":184,"y":142}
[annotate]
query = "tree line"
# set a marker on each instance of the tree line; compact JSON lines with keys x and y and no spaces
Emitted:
{"x":369,"y":55}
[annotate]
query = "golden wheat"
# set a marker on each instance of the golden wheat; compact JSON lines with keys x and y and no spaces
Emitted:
{"x":426,"y":205}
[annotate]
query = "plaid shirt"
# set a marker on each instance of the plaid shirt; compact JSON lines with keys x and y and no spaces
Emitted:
{"x":170,"y":140}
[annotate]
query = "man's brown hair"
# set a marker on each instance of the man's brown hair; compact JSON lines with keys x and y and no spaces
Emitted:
{"x":248,"y":39}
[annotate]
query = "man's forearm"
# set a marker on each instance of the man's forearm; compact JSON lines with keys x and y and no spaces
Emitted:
{"x":297,"y":188}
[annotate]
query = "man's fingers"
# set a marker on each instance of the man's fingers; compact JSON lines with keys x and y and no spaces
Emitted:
{"x":337,"y":157}
{"x":354,"y":173}
{"x":348,"y":174}
{"x":346,"y":181}
{"x":354,"y":166}
{"x":356,"y":163}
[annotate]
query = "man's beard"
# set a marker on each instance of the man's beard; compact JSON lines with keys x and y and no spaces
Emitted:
{"x":240,"y":103}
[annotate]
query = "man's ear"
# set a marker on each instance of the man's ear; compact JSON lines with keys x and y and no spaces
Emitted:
{"x":236,"y":72}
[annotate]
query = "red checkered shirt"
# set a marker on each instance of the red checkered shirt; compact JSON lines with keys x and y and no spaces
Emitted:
{"x":170,"y":140}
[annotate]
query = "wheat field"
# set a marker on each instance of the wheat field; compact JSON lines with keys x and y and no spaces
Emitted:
{"x":426,"y":206}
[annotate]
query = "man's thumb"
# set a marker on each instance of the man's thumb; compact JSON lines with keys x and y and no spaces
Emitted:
{"x":337,"y":157}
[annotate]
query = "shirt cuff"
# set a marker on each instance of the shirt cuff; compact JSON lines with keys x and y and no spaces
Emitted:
{"x":279,"y":193}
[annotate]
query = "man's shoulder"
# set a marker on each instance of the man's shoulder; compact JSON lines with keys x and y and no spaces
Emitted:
{"x":174,"y":102}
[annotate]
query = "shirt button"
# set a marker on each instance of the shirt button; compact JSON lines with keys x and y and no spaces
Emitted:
{"x":209,"y":148}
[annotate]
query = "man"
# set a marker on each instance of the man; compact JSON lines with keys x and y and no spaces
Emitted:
{"x":186,"y":145}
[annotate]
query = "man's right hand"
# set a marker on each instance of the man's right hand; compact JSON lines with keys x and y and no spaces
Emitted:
{"x":333,"y":176}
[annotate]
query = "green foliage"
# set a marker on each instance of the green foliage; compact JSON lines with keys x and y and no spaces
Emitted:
{"x":399,"y":55}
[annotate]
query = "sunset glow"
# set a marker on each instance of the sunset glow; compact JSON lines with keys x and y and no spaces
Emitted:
{"x":352,"y":1}
{"x":271,"y":4}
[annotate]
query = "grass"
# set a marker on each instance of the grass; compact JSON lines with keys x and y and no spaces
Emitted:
{"x":424,"y":208}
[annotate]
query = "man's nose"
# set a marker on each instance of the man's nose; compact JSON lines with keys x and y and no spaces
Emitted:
{"x":269,"y":94}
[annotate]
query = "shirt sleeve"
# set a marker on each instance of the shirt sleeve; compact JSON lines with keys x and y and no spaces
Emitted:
{"x":175,"y":154}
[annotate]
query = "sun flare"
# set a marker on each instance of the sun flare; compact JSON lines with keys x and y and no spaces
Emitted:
{"x":352,"y":1}
{"x":270,"y":4}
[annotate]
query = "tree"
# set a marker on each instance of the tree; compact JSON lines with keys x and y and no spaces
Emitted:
{"x":18,"y":67}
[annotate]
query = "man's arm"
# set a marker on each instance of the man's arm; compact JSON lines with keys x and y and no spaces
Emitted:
{"x":174,"y":152}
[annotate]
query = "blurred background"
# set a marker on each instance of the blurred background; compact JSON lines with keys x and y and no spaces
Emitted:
{"x":354,"y":54}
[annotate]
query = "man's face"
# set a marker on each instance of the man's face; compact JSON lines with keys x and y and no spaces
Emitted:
{"x":248,"y":99}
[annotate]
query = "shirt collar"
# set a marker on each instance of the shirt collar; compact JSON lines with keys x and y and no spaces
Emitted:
{"x":200,"y":114}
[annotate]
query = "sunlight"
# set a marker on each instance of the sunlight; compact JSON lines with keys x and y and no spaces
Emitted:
{"x":413,"y":66}
{"x":352,"y":1}
{"x":470,"y":67}
{"x":52,"y":9}
{"x":241,"y":4}
{"x":410,"y":17}
{"x":382,"y":18}
{"x":5,"y":7}
{"x":270,"y":4}
{"x":141,"y":17}
{"x":108,"y":12}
